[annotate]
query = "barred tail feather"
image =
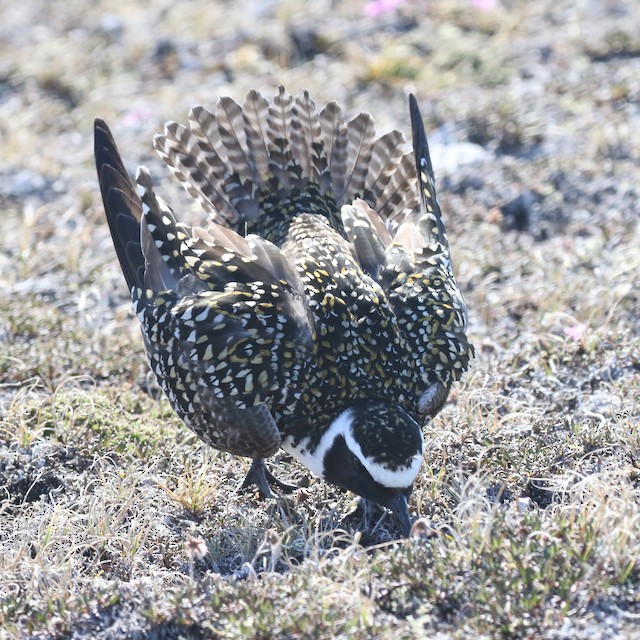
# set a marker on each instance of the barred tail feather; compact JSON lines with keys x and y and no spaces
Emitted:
{"x":232,"y":134}
{"x":204,"y":126}
{"x":306,"y":138}
{"x":278,"y":133}
{"x":334,"y":138}
{"x":253,"y":167}
{"x":255,"y":111}
{"x":398,"y":200}
{"x":386,"y":154}
{"x":361,"y":135}
{"x":199,"y":170}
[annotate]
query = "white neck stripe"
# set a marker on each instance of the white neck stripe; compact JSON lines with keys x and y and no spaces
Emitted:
{"x":399,"y":479}
{"x":314,"y":460}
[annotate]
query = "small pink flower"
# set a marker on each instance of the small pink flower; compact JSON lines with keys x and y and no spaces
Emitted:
{"x":378,"y":7}
{"x":484,"y":5}
{"x":136,"y":116}
{"x":576,"y":331}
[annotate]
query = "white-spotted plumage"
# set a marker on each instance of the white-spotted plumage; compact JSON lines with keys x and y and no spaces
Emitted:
{"x":318,"y":311}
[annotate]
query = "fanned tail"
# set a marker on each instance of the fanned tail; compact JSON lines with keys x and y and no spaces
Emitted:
{"x":254,"y":167}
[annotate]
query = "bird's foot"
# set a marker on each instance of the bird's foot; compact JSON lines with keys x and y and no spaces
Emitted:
{"x":262,"y":478}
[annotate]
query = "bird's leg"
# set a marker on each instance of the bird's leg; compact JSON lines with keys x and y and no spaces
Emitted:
{"x":262,"y":478}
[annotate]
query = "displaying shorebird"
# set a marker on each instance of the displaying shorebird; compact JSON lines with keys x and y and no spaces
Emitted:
{"x":318,"y":311}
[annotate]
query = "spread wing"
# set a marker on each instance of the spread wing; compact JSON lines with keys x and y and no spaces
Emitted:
{"x":224,"y":325}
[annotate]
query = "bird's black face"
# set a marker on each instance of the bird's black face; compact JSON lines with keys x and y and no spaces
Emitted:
{"x":344,"y":469}
{"x":375,"y":450}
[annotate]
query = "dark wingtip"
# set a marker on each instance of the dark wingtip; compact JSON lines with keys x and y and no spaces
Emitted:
{"x":420,"y":144}
{"x":413,"y":106}
{"x":99,"y":123}
{"x":102,"y":145}
{"x":102,"y":141}
{"x":121,"y":204}
{"x":426,"y":178}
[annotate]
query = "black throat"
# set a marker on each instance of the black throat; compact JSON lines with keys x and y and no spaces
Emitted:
{"x":342,"y":468}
